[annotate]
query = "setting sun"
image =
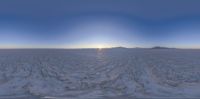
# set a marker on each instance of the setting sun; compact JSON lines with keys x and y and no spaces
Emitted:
{"x":100,"y":47}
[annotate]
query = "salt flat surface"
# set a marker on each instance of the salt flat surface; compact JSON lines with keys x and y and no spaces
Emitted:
{"x":99,"y":74}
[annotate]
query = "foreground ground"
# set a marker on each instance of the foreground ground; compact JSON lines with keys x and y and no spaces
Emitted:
{"x":99,"y":74}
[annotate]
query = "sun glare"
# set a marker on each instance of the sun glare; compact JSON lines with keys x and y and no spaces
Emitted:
{"x":100,"y":47}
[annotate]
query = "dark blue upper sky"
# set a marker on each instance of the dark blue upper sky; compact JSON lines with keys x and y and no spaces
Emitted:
{"x":99,"y":23}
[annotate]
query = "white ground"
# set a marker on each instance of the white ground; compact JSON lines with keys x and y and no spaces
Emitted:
{"x":99,"y":74}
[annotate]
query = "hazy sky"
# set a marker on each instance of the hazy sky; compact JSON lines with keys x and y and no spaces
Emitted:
{"x":99,"y":23}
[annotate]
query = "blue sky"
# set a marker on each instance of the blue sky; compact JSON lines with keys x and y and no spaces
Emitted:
{"x":99,"y":23}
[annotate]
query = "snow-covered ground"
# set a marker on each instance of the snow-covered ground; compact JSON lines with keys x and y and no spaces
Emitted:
{"x":99,"y":74}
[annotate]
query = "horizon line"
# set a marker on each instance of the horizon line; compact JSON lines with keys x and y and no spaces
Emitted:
{"x":1,"y":48}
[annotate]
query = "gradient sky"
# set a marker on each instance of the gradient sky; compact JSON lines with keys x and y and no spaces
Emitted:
{"x":99,"y":23}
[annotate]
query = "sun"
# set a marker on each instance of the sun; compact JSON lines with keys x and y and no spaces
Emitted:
{"x":100,"y":47}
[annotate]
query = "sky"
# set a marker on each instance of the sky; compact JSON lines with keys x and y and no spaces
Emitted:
{"x":99,"y":23}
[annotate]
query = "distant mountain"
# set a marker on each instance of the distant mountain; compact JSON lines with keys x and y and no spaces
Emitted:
{"x":120,"y":47}
{"x":159,"y":47}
